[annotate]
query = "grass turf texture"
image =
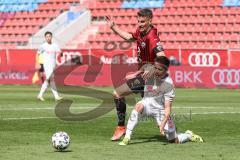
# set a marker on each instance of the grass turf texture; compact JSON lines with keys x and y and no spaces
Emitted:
{"x":26,"y":127}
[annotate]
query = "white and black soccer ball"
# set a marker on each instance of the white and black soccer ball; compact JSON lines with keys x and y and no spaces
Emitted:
{"x":60,"y":140}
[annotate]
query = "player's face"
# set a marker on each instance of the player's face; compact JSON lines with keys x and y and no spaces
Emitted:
{"x":144,"y":23}
{"x":48,"y":38}
{"x":160,"y":71}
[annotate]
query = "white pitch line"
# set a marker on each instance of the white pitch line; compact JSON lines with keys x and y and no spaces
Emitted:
{"x":36,"y":118}
{"x":204,"y":113}
{"x":82,"y":108}
{"x":28,"y":118}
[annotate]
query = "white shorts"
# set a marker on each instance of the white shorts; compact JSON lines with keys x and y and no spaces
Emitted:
{"x":49,"y":70}
{"x":156,"y":112}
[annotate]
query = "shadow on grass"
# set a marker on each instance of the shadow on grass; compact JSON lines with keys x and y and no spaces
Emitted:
{"x":63,"y":151}
{"x":156,"y":138}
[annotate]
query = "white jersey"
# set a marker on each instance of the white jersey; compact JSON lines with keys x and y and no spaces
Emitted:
{"x":157,"y":90}
{"x":49,"y":52}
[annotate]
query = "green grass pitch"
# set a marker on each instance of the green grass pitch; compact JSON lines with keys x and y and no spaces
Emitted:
{"x":26,"y":126}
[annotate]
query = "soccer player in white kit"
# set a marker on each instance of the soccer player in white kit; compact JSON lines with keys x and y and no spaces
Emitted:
{"x":157,"y":103}
{"x":49,"y":50}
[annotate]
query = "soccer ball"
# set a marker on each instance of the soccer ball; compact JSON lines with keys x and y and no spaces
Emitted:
{"x":60,"y":140}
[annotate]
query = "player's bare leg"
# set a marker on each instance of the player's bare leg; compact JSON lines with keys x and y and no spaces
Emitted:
{"x":120,"y":103}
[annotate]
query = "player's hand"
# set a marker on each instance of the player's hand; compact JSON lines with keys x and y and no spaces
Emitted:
{"x":148,"y":72}
{"x":162,"y":130}
{"x":110,"y":21}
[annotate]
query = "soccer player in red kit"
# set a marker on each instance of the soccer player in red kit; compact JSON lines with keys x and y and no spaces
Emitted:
{"x":149,"y":47}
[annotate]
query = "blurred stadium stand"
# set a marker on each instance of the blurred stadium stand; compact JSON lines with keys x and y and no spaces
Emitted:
{"x":142,"y":4}
{"x":212,"y":24}
{"x":232,"y":3}
{"x":19,"y":5}
{"x":20,"y":19}
{"x":181,"y":23}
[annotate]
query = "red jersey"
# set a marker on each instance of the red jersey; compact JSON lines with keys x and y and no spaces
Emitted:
{"x":148,"y":45}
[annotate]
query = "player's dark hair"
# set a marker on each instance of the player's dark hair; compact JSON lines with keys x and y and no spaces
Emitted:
{"x":145,"y":13}
{"x":48,"y":32}
{"x":163,"y":60}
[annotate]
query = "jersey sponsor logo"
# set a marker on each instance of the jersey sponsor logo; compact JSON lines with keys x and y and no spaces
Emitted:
{"x":152,"y":90}
{"x":204,"y":59}
{"x":226,"y":77}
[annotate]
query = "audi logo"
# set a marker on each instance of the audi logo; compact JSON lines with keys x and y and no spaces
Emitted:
{"x":226,"y":77}
{"x":204,"y":59}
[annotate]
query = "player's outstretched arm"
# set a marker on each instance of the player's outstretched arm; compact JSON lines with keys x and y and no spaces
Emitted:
{"x":125,"y":35}
{"x":167,"y":112}
{"x":133,"y":75}
{"x":144,"y":68}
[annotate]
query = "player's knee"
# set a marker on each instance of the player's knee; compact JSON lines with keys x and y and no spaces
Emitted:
{"x":116,"y":95}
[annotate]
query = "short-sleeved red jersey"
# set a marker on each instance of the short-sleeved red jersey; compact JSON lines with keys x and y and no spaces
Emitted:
{"x":148,"y":45}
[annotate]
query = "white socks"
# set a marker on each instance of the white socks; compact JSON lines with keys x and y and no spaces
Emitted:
{"x":54,"y":89}
{"x":44,"y":88}
{"x":184,"y":137}
{"x":132,"y":122}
